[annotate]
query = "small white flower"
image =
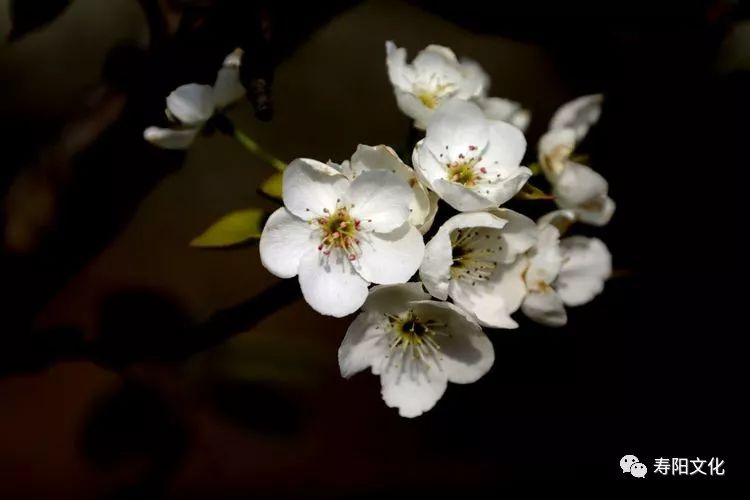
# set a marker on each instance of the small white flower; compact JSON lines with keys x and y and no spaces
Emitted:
{"x":471,"y":162}
{"x":579,"y":114}
{"x":339,"y":235}
{"x":505,"y":110}
{"x":473,"y":259}
{"x":556,"y":273}
{"x":191,"y":106}
{"x":434,"y":76}
{"x":575,"y":186}
{"x":416,"y":345}
{"x":422,"y":207}
{"x":544,"y":260}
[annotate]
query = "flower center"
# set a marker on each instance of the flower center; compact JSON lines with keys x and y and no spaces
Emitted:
{"x":437,"y":91}
{"x":473,"y":254}
{"x":464,"y":171}
{"x":339,"y":231}
{"x":429,"y":99}
{"x":554,"y":162}
{"x":414,"y":336}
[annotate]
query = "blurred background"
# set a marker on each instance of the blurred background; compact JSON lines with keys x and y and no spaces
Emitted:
{"x":132,"y":365}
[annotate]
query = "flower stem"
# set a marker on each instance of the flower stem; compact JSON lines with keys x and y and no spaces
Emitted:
{"x":531,"y":192}
{"x":258,"y":151}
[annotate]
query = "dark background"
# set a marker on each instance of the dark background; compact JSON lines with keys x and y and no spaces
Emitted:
{"x":132,"y":364}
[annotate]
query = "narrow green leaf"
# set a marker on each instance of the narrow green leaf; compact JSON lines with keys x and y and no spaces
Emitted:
{"x":232,"y":229}
{"x":273,"y":186}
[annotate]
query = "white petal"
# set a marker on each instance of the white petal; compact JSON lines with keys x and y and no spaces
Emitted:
{"x":285,"y":239}
{"x":169,"y":138}
{"x":506,"y":147}
{"x":587,"y":263}
{"x":441,"y":50}
{"x":234,"y":58}
{"x":311,"y":187}
{"x":461,"y":198}
{"x":394,"y":299}
{"x":330,"y":284}
{"x":437,"y":63}
{"x":521,"y":119}
{"x":466,"y":353}
{"x":475,"y":82}
{"x":493,"y":301}
{"x":365,"y":344}
{"x":555,"y":147}
{"x":507,"y":187}
{"x":545,"y":259}
{"x":411,"y":106}
{"x":560,"y":219}
{"x":426,"y":224}
{"x":426,"y":165}
{"x":410,"y":387}
{"x":380,"y":199}
{"x":578,"y":184}
{"x":578,"y":114}
{"x":381,"y":157}
{"x":496,"y":108}
{"x":192,"y":104}
{"x":344,"y":168}
{"x":228,"y":88}
{"x":438,"y":258}
{"x":545,"y":307}
{"x":519,"y":234}
{"x":398,"y":71}
{"x":597,"y":212}
{"x":457,"y":130}
{"x":390,"y":258}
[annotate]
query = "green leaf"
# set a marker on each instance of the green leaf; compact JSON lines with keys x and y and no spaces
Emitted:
{"x":232,"y":229}
{"x":273,"y":186}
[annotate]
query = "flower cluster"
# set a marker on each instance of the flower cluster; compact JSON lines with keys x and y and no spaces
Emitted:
{"x":346,"y":226}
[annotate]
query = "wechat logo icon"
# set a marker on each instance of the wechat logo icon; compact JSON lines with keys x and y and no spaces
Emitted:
{"x":631,"y":464}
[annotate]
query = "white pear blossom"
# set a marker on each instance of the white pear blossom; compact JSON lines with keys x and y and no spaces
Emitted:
{"x":575,"y":186}
{"x":505,"y":110}
{"x":422,"y":207}
{"x":579,"y":114}
{"x":338,"y":236}
{"x":190,"y":106}
{"x":434,"y":76}
{"x":543,"y":263}
{"x":473,"y":259}
{"x":415,"y":345}
{"x":556,"y":273}
{"x":471,"y":162}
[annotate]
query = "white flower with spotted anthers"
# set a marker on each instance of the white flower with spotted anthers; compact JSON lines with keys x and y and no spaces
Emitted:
{"x":473,"y":259}
{"x":434,"y":76}
{"x":415,"y":345}
{"x":575,"y":186}
{"x":338,"y":236}
{"x":556,"y":273}
{"x":471,"y":162}
{"x":424,"y":204}
{"x":190,"y":106}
